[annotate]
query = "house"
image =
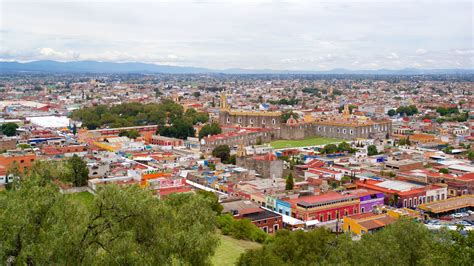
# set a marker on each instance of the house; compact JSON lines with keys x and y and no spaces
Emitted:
{"x":268,"y":221}
{"x":366,"y":223}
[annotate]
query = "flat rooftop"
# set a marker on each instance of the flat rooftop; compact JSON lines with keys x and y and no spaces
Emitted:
{"x":398,"y":185}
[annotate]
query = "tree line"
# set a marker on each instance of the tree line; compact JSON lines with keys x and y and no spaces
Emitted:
{"x":406,"y":242}
{"x":122,"y":226}
{"x":171,"y":118}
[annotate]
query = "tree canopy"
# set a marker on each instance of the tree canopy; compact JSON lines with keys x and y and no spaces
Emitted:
{"x":223,"y":152}
{"x":407,"y":110}
{"x":136,"y":114}
{"x":39,"y":225}
{"x":405,"y":242}
{"x":8,"y":129}
{"x":210,"y":129}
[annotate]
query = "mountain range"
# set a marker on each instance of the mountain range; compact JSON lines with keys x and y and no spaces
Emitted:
{"x":49,"y":66}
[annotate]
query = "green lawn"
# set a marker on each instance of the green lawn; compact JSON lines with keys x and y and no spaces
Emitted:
{"x":230,"y":249}
{"x":280,"y":144}
{"x":83,"y":198}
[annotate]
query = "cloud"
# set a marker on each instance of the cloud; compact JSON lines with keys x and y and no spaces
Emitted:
{"x":303,"y":35}
{"x":421,"y":51}
{"x":393,"y":56}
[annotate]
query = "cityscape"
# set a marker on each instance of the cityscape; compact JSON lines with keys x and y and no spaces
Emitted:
{"x":268,"y":146}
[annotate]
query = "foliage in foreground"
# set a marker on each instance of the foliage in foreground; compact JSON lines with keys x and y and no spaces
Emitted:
{"x":240,"y":228}
{"x":402,"y":243}
{"x":39,"y":225}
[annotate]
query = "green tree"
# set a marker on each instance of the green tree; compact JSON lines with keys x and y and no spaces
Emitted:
{"x":39,"y":225}
{"x":180,"y":129}
{"x":344,"y":146}
{"x":290,"y":182}
{"x":9,"y":129}
{"x":74,"y":129}
{"x":470,"y":155}
{"x":132,"y":134}
{"x":372,"y":150}
{"x":222,"y":152}
{"x":210,"y":129}
{"x":392,"y":112}
{"x":330,"y":148}
{"x":444,"y":171}
{"x":287,"y":114}
{"x":79,"y":173}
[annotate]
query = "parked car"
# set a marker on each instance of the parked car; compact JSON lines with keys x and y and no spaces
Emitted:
{"x":456,"y":215}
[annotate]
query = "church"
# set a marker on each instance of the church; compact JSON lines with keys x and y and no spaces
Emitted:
{"x":345,"y":126}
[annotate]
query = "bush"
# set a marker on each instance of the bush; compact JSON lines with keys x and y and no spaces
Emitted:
{"x":240,"y":229}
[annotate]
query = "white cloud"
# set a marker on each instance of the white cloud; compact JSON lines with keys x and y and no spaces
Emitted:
{"x":393,"y":56}
{"x":421,"y":51}
{"x":263,"y":34}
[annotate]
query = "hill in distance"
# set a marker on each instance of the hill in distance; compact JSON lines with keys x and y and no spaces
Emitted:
{"x":49,"y":66}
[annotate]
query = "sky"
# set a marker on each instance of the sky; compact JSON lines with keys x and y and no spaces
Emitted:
{"x":258,"y":34}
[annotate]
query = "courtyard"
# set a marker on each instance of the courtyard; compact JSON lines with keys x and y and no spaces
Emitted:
{"x":313,"y":141}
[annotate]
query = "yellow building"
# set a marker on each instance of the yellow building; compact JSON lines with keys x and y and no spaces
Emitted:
{"x":366,"y":223}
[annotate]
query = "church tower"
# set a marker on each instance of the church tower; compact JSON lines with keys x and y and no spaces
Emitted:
{"x":224,"y":104}
{"x":241,"y":151}
{"x":346,"y":113}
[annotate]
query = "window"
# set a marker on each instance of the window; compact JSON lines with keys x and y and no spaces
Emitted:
{"x":321,"y":217}
{"x":273,"y":121}
{"x":275,"y":227}
{"x":409,"y":203}
{"x":355,"y":211}
{"x":22,"y":161}
{"x":265,"y":229}
{"x":228,"y":120}
{"x":346,"y":212}
{"x":329,"y":217}
{"x":263,"y":121}
{"x":414,"y":201}
{"x":251,"y":121}
{"x":362,"y":210}
{"x":344,"y":131}
{"x":351,"y":132}
{"x":404,"y":203}
{"x":239,"y":120}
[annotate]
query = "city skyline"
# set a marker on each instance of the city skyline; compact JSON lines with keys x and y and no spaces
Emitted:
{"x":278,"y":35}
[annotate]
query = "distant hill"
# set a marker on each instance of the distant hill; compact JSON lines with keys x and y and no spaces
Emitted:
{"x":95,"y":67}
{"x":48,"y":66}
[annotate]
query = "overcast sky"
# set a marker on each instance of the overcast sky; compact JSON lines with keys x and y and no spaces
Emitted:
{"x":258,"y":34}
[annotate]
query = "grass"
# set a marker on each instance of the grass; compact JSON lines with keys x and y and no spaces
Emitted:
{"x":230,"y":249}
{"x":83,"y":198}
{"x":314,"y":141}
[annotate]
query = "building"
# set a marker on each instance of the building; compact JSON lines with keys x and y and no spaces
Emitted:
{"x":246,"y":118}
{"x":341,"y":127}
{"x":324,"y":207}
{"x":366,"y":223}
{"x":24,"y":161}
{"x":268,"y":165}
{"x":405,"y":194}
{"x":457,"y":184}
{"x":444,"y":207}
{"x":369,"y":199}
{"x":8,"y":143}
{"x":268,"y":221}
{"x":166,"y":141}
{"x":238,"y":136}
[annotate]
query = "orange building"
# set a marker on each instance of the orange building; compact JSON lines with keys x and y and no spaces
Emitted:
{"x":24,"y":161}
